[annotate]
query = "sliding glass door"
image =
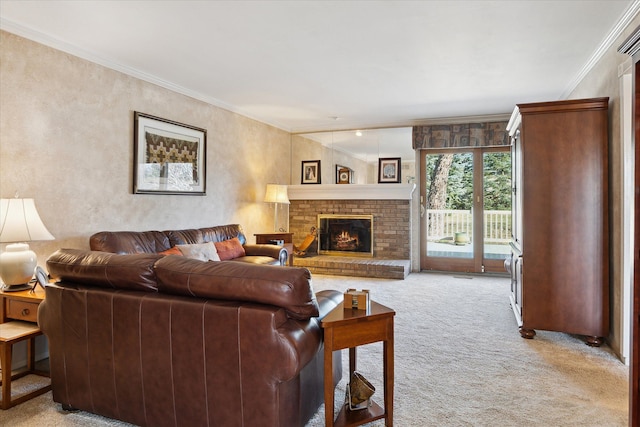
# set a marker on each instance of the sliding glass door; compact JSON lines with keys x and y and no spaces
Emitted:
{"x":465,"y":209}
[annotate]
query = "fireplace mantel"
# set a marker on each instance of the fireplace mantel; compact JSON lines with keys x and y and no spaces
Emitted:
{"x":351,"y":191}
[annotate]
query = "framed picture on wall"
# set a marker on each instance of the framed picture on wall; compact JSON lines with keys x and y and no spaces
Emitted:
{"x":389,"y":170}
{"x":168,"y":157}
{"x":310,"y":172}
{"x":344,"y":175}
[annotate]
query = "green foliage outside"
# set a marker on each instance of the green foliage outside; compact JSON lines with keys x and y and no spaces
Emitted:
{"x":497,"y":180}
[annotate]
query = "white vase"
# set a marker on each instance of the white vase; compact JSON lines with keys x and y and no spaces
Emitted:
{"x":17,"y":264}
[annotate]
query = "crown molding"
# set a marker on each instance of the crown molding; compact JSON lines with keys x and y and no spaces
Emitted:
{"x":606,"y":44}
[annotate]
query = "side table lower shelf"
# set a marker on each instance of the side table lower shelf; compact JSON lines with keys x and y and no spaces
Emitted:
{"x":362,"y":416}
{"x":10,"y":334}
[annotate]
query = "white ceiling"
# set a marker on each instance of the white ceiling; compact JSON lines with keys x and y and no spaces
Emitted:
{"x":300,"y":64}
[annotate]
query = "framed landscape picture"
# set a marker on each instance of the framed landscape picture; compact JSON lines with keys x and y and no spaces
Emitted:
{"x":389,"y":170}
{"x":310,"y":172}
{"x":169,"y":157}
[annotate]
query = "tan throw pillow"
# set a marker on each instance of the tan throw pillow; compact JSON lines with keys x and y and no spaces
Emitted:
{"x":202,"y":251}
{"x":230,"y":249}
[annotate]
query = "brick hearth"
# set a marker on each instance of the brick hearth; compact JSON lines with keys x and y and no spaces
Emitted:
{"x":352,"y":266}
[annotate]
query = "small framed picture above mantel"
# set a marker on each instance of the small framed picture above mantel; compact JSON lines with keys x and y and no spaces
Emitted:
{"x":168,"y":157}
{"x":389,"y":170}
{"x":310,"y":172}
{"x":344,"y":175}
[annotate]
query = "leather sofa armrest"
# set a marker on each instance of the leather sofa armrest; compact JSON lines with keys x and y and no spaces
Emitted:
{"x":289,"y":288}
{"x":273,"y":251}
{"x":327,"y":301}
{"x":104,"y":269}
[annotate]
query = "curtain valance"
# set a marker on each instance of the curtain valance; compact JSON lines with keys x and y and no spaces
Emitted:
{"x":461,"y":135}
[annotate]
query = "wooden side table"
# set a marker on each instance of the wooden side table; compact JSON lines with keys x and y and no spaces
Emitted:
{"x":349,"y":328}
{"x":18,"y":322}
{"x":286,"y":238}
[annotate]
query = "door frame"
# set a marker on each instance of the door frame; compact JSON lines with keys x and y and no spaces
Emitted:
{"x":631,"y":46}
{"x":634,"y":374}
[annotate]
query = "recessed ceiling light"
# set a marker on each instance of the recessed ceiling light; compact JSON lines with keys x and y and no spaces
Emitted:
{"x":358,"y":133}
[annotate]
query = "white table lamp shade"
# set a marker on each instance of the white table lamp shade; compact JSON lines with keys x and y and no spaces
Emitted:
{"x":276,"y":193}
{"x":19,"y":222}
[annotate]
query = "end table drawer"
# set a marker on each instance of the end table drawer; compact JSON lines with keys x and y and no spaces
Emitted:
{"x":22,"y":310}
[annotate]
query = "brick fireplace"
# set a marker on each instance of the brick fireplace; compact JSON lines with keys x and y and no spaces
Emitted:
{"x":390,"y":209}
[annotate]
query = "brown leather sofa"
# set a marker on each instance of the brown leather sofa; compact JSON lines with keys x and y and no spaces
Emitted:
{"x":134,"y":242}
{"x":172,"y":341}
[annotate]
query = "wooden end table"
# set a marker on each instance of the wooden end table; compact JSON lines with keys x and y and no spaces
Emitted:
{"x":349,"y":328}
{"x":287,"y":239}
{"x":18,"y":322}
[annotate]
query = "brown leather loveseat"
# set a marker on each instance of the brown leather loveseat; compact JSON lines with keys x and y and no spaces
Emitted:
{"x":159,"y":340}
{"x":134,"y":242}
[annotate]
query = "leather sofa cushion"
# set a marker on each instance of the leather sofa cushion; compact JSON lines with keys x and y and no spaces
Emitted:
{"x":286,"y":287}
{"x":184,"y":237}
{"x":217,"y":233}
{"x":104,"y":269}
{"x":130,"y":242}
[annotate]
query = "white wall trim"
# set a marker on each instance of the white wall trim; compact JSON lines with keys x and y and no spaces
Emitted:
{"x":351,"y":192}
{"x":626,"y":174}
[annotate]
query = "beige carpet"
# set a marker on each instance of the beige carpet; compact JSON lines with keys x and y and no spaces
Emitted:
{"x":459,"y":361}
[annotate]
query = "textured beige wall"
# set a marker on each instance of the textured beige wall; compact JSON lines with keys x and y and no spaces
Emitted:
{"x":66,"y":140}
{"x":602,"y":81}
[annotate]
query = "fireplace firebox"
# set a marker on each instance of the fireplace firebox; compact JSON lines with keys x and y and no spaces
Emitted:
{"x":350,"y":235}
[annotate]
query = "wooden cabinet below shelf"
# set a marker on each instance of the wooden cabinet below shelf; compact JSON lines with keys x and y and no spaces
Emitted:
{"x":22,"y":310}
{"x":21,"y":305}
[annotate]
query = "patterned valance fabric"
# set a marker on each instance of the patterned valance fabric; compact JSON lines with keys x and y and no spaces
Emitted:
{"x":462,"y":135}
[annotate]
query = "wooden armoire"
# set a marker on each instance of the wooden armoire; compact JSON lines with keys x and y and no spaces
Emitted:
{"x":560,"y":256}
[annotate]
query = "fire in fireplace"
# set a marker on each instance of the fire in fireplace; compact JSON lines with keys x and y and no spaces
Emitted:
{"x":345,"y":235}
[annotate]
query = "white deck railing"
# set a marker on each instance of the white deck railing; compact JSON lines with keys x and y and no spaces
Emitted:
{"x":444,"y":223}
